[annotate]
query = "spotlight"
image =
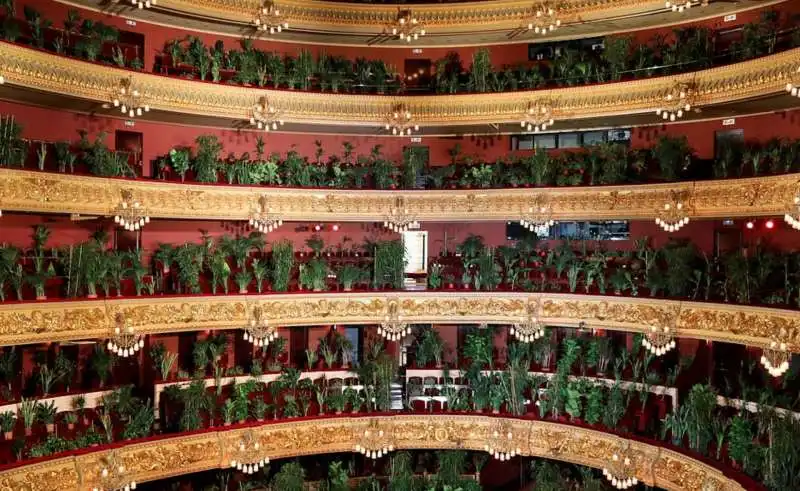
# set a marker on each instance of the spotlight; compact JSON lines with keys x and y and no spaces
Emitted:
{"x":335,"y":228}
{"x":318,"y":227}
{"x":769,"y":224}
{"x":750,"y":225}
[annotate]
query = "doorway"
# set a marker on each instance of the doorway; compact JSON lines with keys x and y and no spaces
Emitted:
{"x":416,"y":245}
{"x":131,"y":143}
{"x":417,"y":73}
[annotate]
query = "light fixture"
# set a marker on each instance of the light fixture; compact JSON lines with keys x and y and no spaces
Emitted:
{"x":114,"y":476}
{"x":406,"y":27}
{"x":792,"y":217}
{"x":677,"y":102}
{"x":399,"y":219}
{"x":393,"y":327}
{"x":750,"y":225}
{"x":124,"y":341}
{"x":528,"y":329}
{"x":262,"y":217}
{"x":2,"y":79}
{"x":130,"y":214}
{"x":258,"y":330}
{"x":374,"y":442}
{"x":538,"y":218}
{"x":681,"y":5}
{"x":501,"y":443}
{"x":769,"y":224}
{"x":128,"y":99}
{"x":658,"y":341}
{"x":621,"y":472}
{"x":269,"y":19}
{"x":793,"y":85}
{"x":146,"y":4}
{"x":543,"y":18}
{"x":674,"y":214}
{"x":266,"y":116}
{"x":248,"y":456}
{"x":538,"y":116}
{"x":399,"y":121}
{"x":775,"y":358}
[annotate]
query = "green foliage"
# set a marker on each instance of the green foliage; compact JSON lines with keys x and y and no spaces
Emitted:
{"x":282,"y":264}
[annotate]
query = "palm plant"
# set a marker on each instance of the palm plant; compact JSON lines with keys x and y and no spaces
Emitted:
{"x":259,"y":273}
{"x":28,"y":412}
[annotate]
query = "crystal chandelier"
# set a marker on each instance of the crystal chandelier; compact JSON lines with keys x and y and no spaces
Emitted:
{"x":620,"y":472}
{"x":146,"y":4}
{"x":677,"y":102}
{"x":501,"y":444}
{"x":681,"y":5}
{"x":393,"y":327}
{"x":269,"y":19}
{"x":258,"y":331}
{"x":538,"y":217}
{"x":406,"y":27}
{"x":658,"y":341}
{"x":129,"y":213}
{"x":129,"y":100}
{"x":529,"y":328}
{"x":262,"y":217}
{"x":775,"y":359}
{"x":114,"y":476}
{"x":373,"y":442}
{"x":673,"y":216}
{"x":538,"y":116}
{"x":248,"y":456}
{"x":792,"y":86}
{"x":124,"y":340}
{"x":399,"y":219}
{"x":266,"y":116}
{"x":543,"y":19}
{"x":793,"y":216}
{"x":398,"y":121}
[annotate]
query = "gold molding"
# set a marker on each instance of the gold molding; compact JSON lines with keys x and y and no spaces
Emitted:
{"x":37,"y":192}
{"x":30,"y":322}
{"x":47,"y":72}
{"x":179,"y":455}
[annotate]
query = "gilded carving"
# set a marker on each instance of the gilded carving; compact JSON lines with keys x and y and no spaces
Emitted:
{"x":59,"y":193}
{"x":166,"y":457}
{"x":33,"y":322}
{"x":88,"y":81}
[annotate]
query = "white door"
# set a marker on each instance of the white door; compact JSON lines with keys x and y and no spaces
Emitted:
{"x":416,"y":244}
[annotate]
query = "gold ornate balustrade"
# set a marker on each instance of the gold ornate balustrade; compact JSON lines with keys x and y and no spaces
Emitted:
{"x":38,"y":192}
{"x":55,"y":74}
{"x":30,"y":322}
{"x":180,"y":455}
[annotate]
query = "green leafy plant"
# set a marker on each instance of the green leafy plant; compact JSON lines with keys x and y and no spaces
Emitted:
{"x":348,"y":275}
{"x":282,"y":264}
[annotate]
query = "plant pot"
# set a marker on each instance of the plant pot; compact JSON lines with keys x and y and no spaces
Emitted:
{"x":70,"y":426}
{"x":347,"y":289}
{"x":242,"y":291}
{"x":495,"y":411}
{"x":91,"y":296}
{"x":226,"y":423}
{"x":8,"y":435}
{"x":41,"y":297}
{"x":28,"y":431}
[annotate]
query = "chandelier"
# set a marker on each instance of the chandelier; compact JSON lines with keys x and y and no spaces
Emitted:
{"x":538,"y":218}
{"x":793,"y":217}
{"x":129,"y":213}
{"x":406,"y":27}
{"x":529,"y":329}
{"x":501,"y":444}
{"x":538,"y":116}
{"x":248,"y":456}
{"x":263,"y":219}
{"x":269,"y":19}
{"x":399,"y":219}
{"x":374,"y":442}
{"x":258,"y":331}
{"x":677,"y":102}
{"x":792,"y":86}
{"x":393,"y":327}
{"x":266,"y":116}
{"x":658,"y":341}
{"x":124,"y":340}
{"x":620,"y":472}
{"x":775,"y":359}
{"x":144,"y":4}
{"x":129,"y":100}
{"x":680,"y":6}
{"x":114,"y":476}
{"x":543,"y":19}
{"x":673,"y":216}
{"x":398,"y":121}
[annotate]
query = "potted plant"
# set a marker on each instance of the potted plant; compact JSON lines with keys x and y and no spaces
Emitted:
{"x":496,"y":397}
{"x":430,"y":348}
{"x":311,"y":358}
{"x":344,"y":348}
{"x":28,"y":411}
{"x":220,"y":270}
{"x":7,"y":422}
{"x":435,"y":276}
{"x":243,"y":279}
{"x":259,"y":409}
{"x":70,"y":418}
{"x":228,"y":411}
{"x":282,"y":263}
{"x":354,"y":399}
{"x":348,"y":275}
{"x":336,"y":400}
{"x":259,"y":273}
{"x":314,"y":274}
{"x":47,"y":415}
{"x":328,"y":352}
